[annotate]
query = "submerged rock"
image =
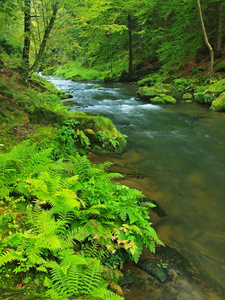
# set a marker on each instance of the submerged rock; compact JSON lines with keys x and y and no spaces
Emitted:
{"x":219,"y":103}
{"x":155,"y":268}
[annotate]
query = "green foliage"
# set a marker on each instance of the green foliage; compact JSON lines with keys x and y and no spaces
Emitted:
{"x":71,"y":138}
{"x":76,"y":72}
{"x":76,"y":220}
{"x":106,"y":141}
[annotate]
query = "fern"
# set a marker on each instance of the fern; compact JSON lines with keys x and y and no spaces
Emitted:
{"x":77,"y":218}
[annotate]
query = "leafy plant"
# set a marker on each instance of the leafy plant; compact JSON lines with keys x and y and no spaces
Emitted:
{"x":77,"y":220}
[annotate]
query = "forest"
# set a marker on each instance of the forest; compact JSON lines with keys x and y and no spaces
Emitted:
{"x":67,"y":226}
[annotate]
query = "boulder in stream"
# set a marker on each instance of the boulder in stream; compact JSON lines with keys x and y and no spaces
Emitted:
{"x":163,"y":99}
{"x":147,"y":93}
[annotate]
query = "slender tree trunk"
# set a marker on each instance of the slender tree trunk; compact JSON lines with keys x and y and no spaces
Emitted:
{"x":206,"y":41}
{"x":48,"y":30}
{"x":130,"y":45}
{"x":27,"y":31}
{"x":219,"y":15}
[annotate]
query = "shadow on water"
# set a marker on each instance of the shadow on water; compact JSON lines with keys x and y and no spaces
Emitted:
{"x":179,"y":151}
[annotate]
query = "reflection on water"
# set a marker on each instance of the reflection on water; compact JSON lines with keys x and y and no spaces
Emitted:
{"x":181,"y":149}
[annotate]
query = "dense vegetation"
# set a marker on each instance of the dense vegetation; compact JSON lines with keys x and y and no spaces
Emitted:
{"x":66,"y":229}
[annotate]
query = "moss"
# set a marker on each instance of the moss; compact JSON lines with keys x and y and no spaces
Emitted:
{"x":199,"y":97}
{"x":163,"y":99}
{"x":147,"y":93}
{"x":217,"y":88}
{"x":149,"y":81}
{"x":102,"y":133}
{"x":205,"y":97}
{"x":219,"y":103}
{"x":187,"y":96}
{"x":24,"y":110}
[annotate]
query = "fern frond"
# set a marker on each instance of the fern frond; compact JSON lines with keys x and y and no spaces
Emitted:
{"x":106,"y":294}
{"x":9,"y":256}
{"x":92,"y":277}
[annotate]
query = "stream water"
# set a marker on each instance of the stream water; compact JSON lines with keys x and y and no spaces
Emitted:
{"x":181,"y":150}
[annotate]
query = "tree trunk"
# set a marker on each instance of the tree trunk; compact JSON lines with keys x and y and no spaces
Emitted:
{"x":218,"y":46}
{"x":206,"y":41}
{"x":130,"y":46}
{"x":45,"y":38}
{"x":27,"y":30}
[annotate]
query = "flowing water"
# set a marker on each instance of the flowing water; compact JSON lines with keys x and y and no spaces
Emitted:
{"x":181,"y":149}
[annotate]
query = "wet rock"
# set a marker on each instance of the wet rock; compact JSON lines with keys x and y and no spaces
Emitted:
{"x":155,"y":268}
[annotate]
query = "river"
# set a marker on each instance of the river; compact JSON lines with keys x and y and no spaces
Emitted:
{"x":181,"y":150}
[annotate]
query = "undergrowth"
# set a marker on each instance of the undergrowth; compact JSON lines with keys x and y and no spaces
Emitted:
{"x":65,"y":224}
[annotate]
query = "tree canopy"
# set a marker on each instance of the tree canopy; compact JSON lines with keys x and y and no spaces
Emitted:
{"x":117,"y":35}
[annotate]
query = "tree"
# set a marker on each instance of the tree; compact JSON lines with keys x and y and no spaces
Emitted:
{"x":219,"y":18}
{"x":206,"y":40}
{"x":27,"y":32}
{"x":48,"y":29}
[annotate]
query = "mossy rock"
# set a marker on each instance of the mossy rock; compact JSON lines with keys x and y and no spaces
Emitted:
{"x":199,"y":97}
{"x":163,"y":99}
{"x":146,"y":81}
{"x":63,"y":95}
{"x":76,"y":77}
{"x":96,"y":86}
{"x":147,"y":93}
{"x":219,"y":103}
{"x":205,"y":97}
{"x":187,"y":96}
{"x":217,"y":88}
{"x":220,"y":67}
{"x":102,"y":133}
